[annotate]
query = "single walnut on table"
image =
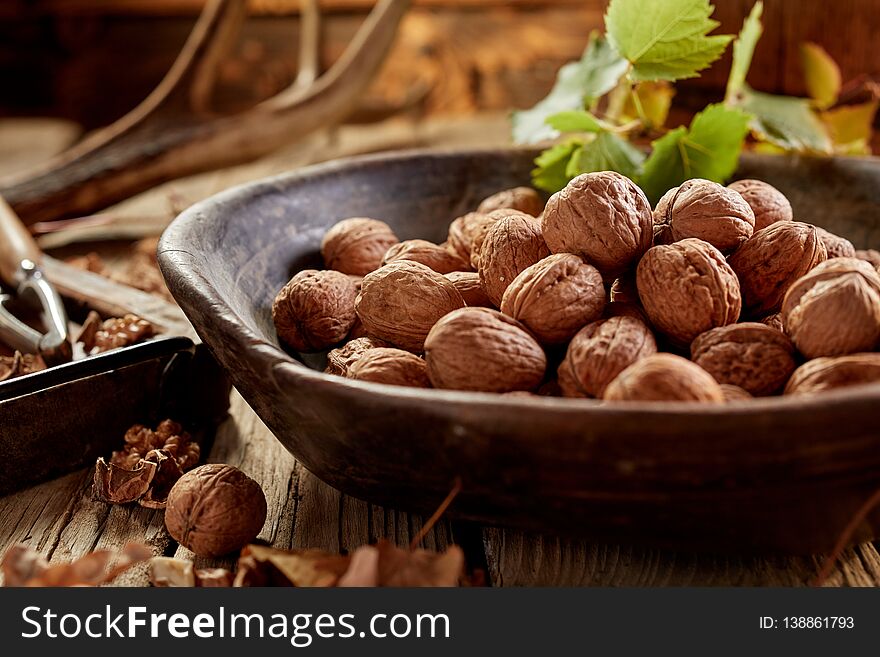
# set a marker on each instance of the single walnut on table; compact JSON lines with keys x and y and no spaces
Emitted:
{"x":687,"y":288}
{"x":834,"y":309}
{"x":602,"y":217}
{"x":483,"y":350}
{"x":664,"y":377}
{"x":316,"y":309}
{"x":768,"y":203}
{"x":99,"y":335}
{"x":357,"y":245}
{"x":555,"y":297}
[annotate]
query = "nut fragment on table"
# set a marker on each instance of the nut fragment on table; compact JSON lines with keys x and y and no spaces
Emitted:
{"x":99,"y":335}
{"x":20,"y":364}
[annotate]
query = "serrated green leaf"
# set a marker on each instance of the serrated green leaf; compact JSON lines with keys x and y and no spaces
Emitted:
{"x":577,"y":84}
{"x":607,"y":152}
{"x":551,"y":166}
{"x":785,"y":121}
{"x":709,"y":149}
{"x":821,"y":75}
{"x":744,"y":50}
{"x":665,"y":40}
{"x":576,"y":121}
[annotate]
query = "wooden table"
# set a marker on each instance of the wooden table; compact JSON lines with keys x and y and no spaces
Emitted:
{"x":62,"y":520}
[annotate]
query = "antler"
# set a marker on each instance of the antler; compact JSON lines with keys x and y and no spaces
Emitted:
{"x":169,"y":136}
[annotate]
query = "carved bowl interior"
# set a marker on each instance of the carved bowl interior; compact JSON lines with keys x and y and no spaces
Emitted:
{"x":781,"y":474}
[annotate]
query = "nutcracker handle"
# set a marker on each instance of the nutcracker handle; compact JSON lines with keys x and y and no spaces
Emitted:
{"x":16,"y":246}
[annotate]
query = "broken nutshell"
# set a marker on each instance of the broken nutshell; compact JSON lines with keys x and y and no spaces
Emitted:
{"x":99,"y":335}
{"x":19,"y":364}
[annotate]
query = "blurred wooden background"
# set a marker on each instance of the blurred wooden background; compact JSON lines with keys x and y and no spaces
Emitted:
{"x":91,"y":60}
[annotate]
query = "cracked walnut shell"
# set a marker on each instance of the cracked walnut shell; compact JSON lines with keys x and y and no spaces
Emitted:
{"x":834,"y":309}
{"x":400,"y":302}
{"x":828,"y":373}
{"x":602,"y":217}
{"x":555,"y":297}
{"x":687,"y":288}
{"x":511,"y":244}
{"x":708,"y":211}
{"x":357,"y":245}
{"x":600,"y":352}
{"x":484,"y":350}
{"x":392,"y":367}
{"x":315,"y":310}
{"x":772,"y":260}
{"x":432,"y":255}
{"x":664,"y":377}
{"x":751,"y":356}
{"x":522,"y":199}
{"x":215,"y":509}
{"x":768,"y":203}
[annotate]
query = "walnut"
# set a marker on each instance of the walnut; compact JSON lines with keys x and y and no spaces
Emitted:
{"x":750,"y":355}
{"x":434,"y":256}
{"x":774,"y":321}
{"x":314,"y":310}
{"x":468,"y":285}
{"x":767,"y":202}
{"x":600,"y":351}
{"x":522,"y":199}
{"x":869,"y":255}
{"x":167,"y":572}
{"x":20,"y":364}
{"x":356,"y":245}
{"x":555,"y":297}
{"x":97,"y":335}
{"x":340,"y":360}
{"x":734,"y":393}
{"x":215,"y":509}
{"x":512,"y":243}
{"x":169,"y":436}
{"x":836,"y":246}
{"x":400,"y":302}
{"x":602,"y":217}
{"x":482,"y":349}
{"x":834,"y":309}
{"x":391,"y":366}
{"x":664,"y":377}
{"x":708,"y":211}
{"x":464,"y":230}
{"x":772,"y":260}
{"x":822,"y":374}
{"x":687,"y":288}
{"x":479,"y":234}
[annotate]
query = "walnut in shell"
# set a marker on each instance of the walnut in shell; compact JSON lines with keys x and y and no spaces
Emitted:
{"x":834,"y":309}
{"x":752,"y":356}
{"x":464,"y":230}
{"x":687,"y":288}
{"x":869,"y":255}
{"x":768,"y":203}
{"x":734,"y":394}
{"x":400,"y":302}
{"x":512,"y":243}
{"x":356,"y":245}
{"x":471,"y":289}
{"x":774,"y":321}
{"x":436,"y":257}
{"x":708,"y":211}
{"x":602,"y":217}
{"x":391,"y":366}
{"x":555,"y":297}
{"x":314,"y":310}
{"x":822,"y":374}
{"x":664,"y":377}
{"x":835,"y":245}
{"x":485,"y":350}
{"x":340,"y":360}
{"x":523,"y":199}
{"x":600,"y":352}
{"x":215,"y":509}
{"x":772,"y":260}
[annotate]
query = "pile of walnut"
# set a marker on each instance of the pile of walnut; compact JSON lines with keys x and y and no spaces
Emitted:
{"x":744,"y":300}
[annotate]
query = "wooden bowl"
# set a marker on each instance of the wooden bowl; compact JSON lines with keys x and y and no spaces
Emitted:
{"x":781,"y":474}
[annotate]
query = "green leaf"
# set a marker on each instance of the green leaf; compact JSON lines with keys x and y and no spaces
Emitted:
{"x":655,"y":99}
{"x":576,"y":121}
{"x":664,"y":40}
{"x":607,"y":152}
{"x":821,"y":75}
{"x":744,"y":50}
{"x":577,"y":84}
{"x":551,"y":166}
{"x":709,"y":149}
{"x":785,"y":121}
